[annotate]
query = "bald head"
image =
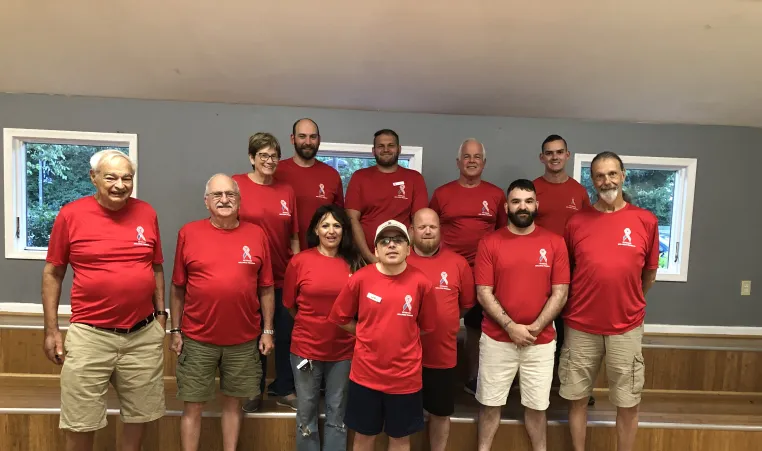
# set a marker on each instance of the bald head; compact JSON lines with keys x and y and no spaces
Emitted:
{"x":425,"y":232}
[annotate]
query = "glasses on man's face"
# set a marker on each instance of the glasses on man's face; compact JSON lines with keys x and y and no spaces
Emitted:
{"x":263,"y":157}
{"x":399,"y":239}
{"x":217,"y":195}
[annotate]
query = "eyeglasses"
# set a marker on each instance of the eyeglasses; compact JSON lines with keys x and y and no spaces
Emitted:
{"x":399,"y":239}
{"x":263,"y":157}
{"x":217,"y":195}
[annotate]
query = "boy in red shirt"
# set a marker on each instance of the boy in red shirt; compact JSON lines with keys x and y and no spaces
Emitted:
{"x":394,"y":305}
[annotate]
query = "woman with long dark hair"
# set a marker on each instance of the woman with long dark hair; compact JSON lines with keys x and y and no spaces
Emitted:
{"x":319,"y":349}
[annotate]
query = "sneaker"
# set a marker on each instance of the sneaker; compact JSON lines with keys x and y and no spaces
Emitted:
{"x":252,"y":405}
{"x":470,"y":387}
{"x":287,"y":401}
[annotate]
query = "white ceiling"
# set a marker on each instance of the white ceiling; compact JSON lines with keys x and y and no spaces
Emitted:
{"x":676,"y":61}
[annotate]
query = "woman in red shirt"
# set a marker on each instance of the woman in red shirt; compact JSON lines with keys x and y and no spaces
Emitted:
{"x":320,"y":350}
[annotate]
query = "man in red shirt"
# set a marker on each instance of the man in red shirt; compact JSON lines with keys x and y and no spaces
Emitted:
{"x":560,"y":197}
{"x":614,"y":251}
{"x":469,"y":209}
{"x":314,"y":182}
{"x":383,"y":191}
{"x":221,"y":275}
{"x":394,"y":304}
{"x":271,"y":204}
{"x":455,"y":292}
{"x":117,"y":330}
{"x":522,"y":279}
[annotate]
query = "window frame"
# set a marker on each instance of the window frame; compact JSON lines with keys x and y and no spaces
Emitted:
{"x":413,"y":153}
{"x":682,"y":207}
{"x":14,"y":171}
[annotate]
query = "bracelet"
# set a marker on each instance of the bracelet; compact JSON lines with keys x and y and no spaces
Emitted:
{"x":268,"y":332}
{"x":175,"y":331}
{"x":160,"y":313}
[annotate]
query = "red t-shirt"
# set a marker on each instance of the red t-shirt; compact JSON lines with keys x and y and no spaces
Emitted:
{"x":314,"y":187}
{"x":313,"y":281}
{"x":522,"y":270}
{"x":272,"y":207}
{"x":221,"y":271}
{"x":379,"y":197}
{"x":112,"y":254}
{"x":467,"y":214}
{"x":609,"y":252}
{"x":558,"y":202}
{"x":392,"y":311}
{"x":454,"y":290}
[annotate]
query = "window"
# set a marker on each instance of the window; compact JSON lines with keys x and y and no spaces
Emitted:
{"x":663,"y":186}
{"x":347,"y":158}
{"x":44,"y":170}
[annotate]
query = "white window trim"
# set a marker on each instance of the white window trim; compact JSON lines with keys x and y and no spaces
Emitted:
{"x":682,"y":209}
{"x":15,"y":176}
{"x":414,"y":153}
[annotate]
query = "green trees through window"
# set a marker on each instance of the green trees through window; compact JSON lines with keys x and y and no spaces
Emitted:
{"x":56,"y":174}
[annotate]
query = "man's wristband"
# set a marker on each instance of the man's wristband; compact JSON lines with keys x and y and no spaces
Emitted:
{"x":176,"y":330}
{"x":160,"y":313}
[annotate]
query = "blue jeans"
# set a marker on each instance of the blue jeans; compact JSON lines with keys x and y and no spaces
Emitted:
{"x":336,"y":376}
{"x":283,"y":385}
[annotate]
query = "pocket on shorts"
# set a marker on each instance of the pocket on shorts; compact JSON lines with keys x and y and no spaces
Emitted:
{"x":563,"y":366}
{"x":638,"y":373}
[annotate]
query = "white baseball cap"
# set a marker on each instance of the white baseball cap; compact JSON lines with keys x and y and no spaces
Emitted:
{"x":392,"y":224}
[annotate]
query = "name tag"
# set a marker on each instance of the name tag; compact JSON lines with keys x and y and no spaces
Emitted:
{"x":398,"y":183}
{"x":374,"y":298}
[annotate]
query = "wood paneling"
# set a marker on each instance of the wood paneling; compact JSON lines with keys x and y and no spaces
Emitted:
{"x":697,"y":369}
{"x":41,"y":433}
{"x":21,"y":352}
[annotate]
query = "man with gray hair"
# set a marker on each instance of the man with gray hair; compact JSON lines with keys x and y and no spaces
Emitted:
{"x":117,"y":330}
{"x":469,"y":208}
{"x":222,"y":277}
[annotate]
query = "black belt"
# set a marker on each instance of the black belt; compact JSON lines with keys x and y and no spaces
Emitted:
{"x":141,"y":324}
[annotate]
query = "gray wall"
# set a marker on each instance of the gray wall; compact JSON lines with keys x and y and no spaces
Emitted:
{"x":182,"y":144}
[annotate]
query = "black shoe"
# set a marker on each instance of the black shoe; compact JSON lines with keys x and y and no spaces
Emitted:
{"x":591,"y":401}
{"x":252,"y":405}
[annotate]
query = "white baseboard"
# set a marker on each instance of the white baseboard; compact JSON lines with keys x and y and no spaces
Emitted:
{"x":703,"y":330}
{"x":27,"y":307}
{"x":677,"y":329}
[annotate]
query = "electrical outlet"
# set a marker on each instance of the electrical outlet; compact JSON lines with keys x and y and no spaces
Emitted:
{"x":746,"y":288}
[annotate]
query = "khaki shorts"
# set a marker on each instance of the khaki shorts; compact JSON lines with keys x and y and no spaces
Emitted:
{"x":240,"y":370}
{"x":500,"y":361}
{"x":133,"y":363}
{"x":581,"y":358}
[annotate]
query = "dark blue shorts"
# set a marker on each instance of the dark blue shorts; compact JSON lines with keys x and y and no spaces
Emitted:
{"x":370,"y":412}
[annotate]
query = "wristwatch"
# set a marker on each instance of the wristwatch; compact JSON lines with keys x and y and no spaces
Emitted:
{"x":268,"y":332}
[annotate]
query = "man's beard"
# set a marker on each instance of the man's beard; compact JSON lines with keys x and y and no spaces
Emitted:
{"x":609,"y":195}
{"x":387,"y":164}
{"x":306,"y":151}
{"x":520,"y":222}
{"x":427,"y":245}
